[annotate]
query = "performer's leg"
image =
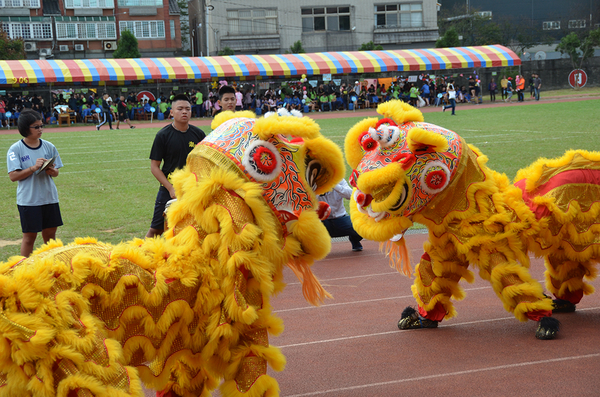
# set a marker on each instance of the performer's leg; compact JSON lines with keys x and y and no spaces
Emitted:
{"x":513,"y":284}
{"x":564,"y":278}
{"x":246,"y":372}
{"x":435,"y":284}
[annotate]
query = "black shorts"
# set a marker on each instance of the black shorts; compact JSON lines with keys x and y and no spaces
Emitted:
{"x":34,"y":219}
{"x":158,"y":221}
{"x":123,"y":116}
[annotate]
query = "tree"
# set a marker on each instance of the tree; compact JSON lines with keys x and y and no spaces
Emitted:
{"x":9,"y":48}
{"x":450,"y":39}
{"x":579,"y":50}
{"x":370,"y":46}
{"x":184,"y":22}
{"x":127,"y":46}
{"x":226,"y":51}
{"x":297,"y":48}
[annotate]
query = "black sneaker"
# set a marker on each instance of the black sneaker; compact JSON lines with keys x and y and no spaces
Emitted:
{"x":411,"y":319}
{"x":97,"y":128}
{"x":358,"y":247}
{"x":563,"y":306}
{"x":132,"y":127}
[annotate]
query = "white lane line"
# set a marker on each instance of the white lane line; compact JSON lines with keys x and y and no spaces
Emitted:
{"x":103,"y":152}
{"x":318,"y":342}
{"x":103,"y":170}
{"x":449,"y":374}
{"x":106,"y":161}
{"x":359,"y":302}
{"x":352,"y":277}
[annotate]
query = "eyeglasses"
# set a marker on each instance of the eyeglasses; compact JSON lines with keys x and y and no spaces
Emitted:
{"x":36,"y":127}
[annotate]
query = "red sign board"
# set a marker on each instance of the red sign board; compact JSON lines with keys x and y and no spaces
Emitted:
{"x":145,"y":95}
{"x":577,"y":78}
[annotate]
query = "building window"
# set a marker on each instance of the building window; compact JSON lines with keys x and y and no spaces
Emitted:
{"x":85,"y":31}
{"x":577,"y":24}
{"x":20,"y":3}
{"x":172,"y":25}
{"x":27,"y":30}
{"x":325,"y":18}
{"x":252,"y":21}
{"x":551,"y":25}
{"x":140,"y":3}
{"x":89,"y":4}
{"x":402,"y":15}
{"x":145,"y":29}
{"x":484,"y":14}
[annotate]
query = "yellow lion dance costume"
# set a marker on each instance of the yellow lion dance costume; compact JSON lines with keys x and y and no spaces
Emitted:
{"x":190,"y":309}
{"x":405,"y":171}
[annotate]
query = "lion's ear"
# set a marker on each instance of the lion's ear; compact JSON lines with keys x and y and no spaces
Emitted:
{"x":420,"y":140}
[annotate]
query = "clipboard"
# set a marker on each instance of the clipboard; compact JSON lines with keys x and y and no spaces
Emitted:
{"x":47,"y":163}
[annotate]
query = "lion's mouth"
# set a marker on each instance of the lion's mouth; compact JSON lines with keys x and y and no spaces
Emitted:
{"x":365,"y":201}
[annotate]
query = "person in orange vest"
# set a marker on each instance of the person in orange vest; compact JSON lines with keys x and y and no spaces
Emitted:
{"x":520,"y":83}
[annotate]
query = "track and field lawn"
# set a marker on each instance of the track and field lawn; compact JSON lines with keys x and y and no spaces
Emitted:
{"x":106,"y":189}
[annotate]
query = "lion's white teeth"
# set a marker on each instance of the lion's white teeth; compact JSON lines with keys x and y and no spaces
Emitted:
{"x":377,"y":216}
{"x":397,"y":237}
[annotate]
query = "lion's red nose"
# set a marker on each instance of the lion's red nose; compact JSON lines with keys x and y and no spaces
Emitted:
{"x":363,"y":199}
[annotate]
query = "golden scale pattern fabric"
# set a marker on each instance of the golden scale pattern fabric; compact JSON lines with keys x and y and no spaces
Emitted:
{"x":183,"y":312}
{"x":475,"y":215}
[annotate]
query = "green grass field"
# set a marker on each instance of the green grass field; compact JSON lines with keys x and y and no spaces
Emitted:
{"x":106,"y":189}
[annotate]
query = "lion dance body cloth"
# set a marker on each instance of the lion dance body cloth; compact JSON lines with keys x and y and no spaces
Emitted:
{"x":188,"y":310}
{"x":405,"y":171}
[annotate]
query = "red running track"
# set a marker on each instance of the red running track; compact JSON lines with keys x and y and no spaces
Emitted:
{"x":351,"y":345}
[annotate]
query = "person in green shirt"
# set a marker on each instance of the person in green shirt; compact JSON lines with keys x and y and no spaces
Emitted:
{"x":324,"y":100}
{"x":332,"y":101}
{"x":164,"y":109}
{"x":414,"y":93}
{"x":197,"y":97}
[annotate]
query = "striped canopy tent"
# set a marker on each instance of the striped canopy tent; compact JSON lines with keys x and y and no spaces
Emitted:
{"x":76,"y":71}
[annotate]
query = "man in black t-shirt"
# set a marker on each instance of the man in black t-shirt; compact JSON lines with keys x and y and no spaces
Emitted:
{"x":122,"y":111}
{"x":171,"y":146}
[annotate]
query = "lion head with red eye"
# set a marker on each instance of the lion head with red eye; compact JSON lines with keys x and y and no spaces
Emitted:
{"x":399,"y":165}
{"x":288,"y":157}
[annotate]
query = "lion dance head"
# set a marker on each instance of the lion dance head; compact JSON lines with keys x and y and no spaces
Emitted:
{"x":400,"y":164}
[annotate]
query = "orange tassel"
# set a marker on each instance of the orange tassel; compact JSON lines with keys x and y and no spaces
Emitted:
{"x":312,"y":289}
{"x":398,"y":254}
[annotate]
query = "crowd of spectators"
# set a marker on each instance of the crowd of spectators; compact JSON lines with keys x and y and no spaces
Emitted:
{"x":419,"y":91}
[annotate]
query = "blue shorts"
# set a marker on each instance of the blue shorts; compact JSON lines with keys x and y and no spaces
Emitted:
{"x":34,"y":219}
{"x":158,"y":221}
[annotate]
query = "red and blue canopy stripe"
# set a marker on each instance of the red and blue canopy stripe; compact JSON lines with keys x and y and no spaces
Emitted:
{"x":57,"y":71}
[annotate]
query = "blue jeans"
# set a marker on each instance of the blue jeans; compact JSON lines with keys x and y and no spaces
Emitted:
{"x":452,"y":105}
{"x":537,"y":94}
{"x":197,"y":110}
{"x":342,"y":227}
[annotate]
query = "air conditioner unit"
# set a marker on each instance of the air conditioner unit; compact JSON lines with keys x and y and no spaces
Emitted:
{"x":79,"y":47}
{"x":45,"y":52}
{"x":30,"y":46}
{"x":63,"y":48}
{"x":110,"y":45}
